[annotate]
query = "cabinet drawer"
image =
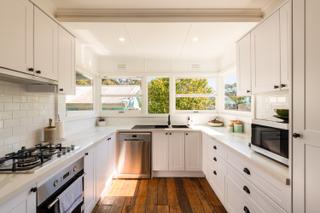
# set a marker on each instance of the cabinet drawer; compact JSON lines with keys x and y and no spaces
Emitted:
{"x":249,"y":191}
{"x":277,"y":191}
{"x":216,"y":148}
{"x":236,"y":202}
{"x":216,"y":177}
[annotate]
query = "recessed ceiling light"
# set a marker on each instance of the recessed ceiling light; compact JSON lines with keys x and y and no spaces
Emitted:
{"x":122,"y":39}
{"x":195,"y":39}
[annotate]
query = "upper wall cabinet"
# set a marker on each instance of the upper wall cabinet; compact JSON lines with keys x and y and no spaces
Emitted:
{"x":66,"y":65}
{"x":243,"y":66}
{"x":266,"y":55}
{"x":16,"y":30}
{"x":45,"y":45}
{"x":266,"y":60}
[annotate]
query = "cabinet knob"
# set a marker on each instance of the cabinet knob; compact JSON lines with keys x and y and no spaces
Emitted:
{"x":33,"y":189}
{"x":215,"y":159}
{"x":246,"y":189}
{"x":86,"y":153}
{"x":30,"y":69}
{"x":283,"y":85}
{"x":214,"y":172}
{"x":247,"y":171}
{"x":61,"y":89}
{"x":296,"y":135}
{"x":187,"y":134}
{"x":170,"y":133}
{"x":166,"y":133}
{"x":215,"y":147}
{"x":248,"y":91}
{"x":246,"y":209}
{"x":275,"y":87}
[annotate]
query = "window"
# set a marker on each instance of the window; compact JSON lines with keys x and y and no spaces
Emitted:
{"x":231,"y":100}
{"x":158,"y":95}
{"x":195,"y":94}
{"x":83,"y":98}
{"x":121,"y":94}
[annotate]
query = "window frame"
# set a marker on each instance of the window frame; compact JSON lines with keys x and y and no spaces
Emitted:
{"x":216,"y":96}
{"x":124,"y":113}
{"x":233,"y":112}
{"x":71,"y":115}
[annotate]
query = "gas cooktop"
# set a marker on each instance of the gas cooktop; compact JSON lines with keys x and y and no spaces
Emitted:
{"x":28,"y":160}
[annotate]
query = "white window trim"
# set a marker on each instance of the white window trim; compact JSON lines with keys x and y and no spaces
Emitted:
{"x":74,"y":115}
{"x":121,"y":113}
{"x":216,"y":79}
{"x":222,"y":94}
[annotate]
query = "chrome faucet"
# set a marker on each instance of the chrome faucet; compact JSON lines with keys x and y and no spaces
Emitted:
{"x":169,"y":121}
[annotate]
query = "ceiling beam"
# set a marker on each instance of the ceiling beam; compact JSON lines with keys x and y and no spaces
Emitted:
{"x":159,"y":15}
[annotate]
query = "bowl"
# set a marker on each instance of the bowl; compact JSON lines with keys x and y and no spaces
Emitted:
{"x":282,"y":113}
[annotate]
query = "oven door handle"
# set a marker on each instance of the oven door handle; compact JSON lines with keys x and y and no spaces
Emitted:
{"x":57,"y":199}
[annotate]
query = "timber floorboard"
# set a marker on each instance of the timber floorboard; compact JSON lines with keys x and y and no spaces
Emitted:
{"x":160,"y":195}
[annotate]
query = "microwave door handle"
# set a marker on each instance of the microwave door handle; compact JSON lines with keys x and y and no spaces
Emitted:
{"x":53,"y":203}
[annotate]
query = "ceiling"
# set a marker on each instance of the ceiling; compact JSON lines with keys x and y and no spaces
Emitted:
{"x":129,"y":4}
{"x":161,"y":40}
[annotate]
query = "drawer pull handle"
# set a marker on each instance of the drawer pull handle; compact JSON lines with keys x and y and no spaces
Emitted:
{"x":246,"y":210}
{"x":33,"y":189}
{"x":246,"y":189}
{"x":214,"y":147}
{"x":247,"y":171}
{"x":214,"y":172}
{"x":215,"y":159}
{"x":86,"y":154}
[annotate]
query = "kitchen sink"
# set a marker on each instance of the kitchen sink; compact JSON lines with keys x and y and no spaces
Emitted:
{"x":180,"y":126}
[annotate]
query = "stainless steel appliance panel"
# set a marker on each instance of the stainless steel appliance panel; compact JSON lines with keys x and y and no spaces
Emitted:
{"x":133,"y":154}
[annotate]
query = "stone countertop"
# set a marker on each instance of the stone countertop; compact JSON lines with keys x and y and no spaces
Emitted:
{"x":12,"y":184}
{"x":240,"y":143}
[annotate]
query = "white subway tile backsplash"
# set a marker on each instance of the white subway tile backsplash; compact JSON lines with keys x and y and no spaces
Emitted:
{"x":23,"y":115}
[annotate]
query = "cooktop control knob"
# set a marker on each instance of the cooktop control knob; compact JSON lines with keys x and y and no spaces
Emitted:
{"x":55,"y":183}
{"x":75,"y":169}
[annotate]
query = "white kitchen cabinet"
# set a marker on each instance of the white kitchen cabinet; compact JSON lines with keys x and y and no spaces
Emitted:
{"x":286,"y":40}
{"x":66,"y":62}
{"x":306,"y":128}
{"x":265,"y":50}
{"x":176,"y":151}
{"x":193,"y":151}
{"x":243,"y":66}
{"x":16,"y":30}
{"x":205,"y":154}
{"x":101,"y":167}
{"x":111,"y":155}
{"x":45,"y":45}
{"x":160,"y":148}
{"x":24,"y":202}
{"x":89,"y":181}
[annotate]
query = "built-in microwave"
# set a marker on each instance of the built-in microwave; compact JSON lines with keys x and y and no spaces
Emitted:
{"x":271,"y":139}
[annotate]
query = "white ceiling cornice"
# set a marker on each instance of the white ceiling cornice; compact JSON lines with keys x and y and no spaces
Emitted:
{"x":160,"y":15}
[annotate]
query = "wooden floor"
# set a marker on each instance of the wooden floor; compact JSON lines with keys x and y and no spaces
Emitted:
{"x":160,"y":195}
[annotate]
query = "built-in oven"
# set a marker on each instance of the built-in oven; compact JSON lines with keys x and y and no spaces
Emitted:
{"x":271,"y":140}
{"x":64,"y":191}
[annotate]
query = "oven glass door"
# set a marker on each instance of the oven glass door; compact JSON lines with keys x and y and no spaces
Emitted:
{"x":271,"y":139}
{"x":51,"y":205}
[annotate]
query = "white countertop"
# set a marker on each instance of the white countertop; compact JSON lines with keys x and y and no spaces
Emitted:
{"x":11,"y":184}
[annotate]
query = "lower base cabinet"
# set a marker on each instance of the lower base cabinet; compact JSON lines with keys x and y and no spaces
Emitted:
{"x":99,"y":164}
{"x":25,"y":202}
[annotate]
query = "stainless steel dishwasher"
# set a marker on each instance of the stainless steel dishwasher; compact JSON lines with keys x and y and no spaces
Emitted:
{"x":133,"y":155}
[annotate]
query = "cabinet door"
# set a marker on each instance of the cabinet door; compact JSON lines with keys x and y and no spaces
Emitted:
{"x":101,"y":167}
{"x":66,"y":63}
{"x":89,"y":182}
{"x":306,"y":75}
{"x":45,"y":45}
{"x":266,"y":55}
{"x":160,"y":148}
{"x":193,"y":151}
{"x":205,"y":154}
{"x":24,"y":202}
{"x":176,"y":151}
{"x":111,"y":155}
{"x":244,"y":66}
{"x":285,"y":32}
{"x":16,"y":30}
